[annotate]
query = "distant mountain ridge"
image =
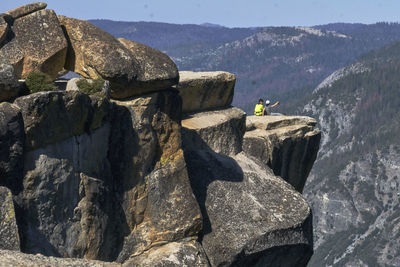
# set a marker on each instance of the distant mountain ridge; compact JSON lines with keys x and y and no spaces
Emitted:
{"x":354,"y":188}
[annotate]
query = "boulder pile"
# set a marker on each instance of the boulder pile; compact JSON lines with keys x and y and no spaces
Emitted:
{"x":148,"y":170}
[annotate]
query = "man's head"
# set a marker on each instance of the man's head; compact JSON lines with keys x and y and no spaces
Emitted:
{"x":260,"y":101}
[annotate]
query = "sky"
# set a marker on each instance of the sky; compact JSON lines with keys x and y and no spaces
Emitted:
{"x":230,"y":13}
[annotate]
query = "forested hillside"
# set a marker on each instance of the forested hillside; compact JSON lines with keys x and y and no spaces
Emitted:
{"x":354,"y":188}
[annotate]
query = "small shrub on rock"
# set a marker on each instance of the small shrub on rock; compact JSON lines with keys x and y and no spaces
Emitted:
{"x":38,"y":82}
{"x":90,"y":87}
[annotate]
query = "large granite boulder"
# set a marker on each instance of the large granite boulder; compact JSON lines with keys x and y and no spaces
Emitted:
{"x":9,"y":86}
{"x":157,"y":72}
{"x":18,"y":259}
{"x":220,"y":130}
{"x":287,"y":144}
{"x":11,"y":146}
{"x":94,"y":54}
{"x":205,"y":90}
{"x":9,"y":238}
{"x":251,"y":217}
{"x":54,"y":116}
{"x":26,"y":10}
{"x":183,"y":253}
{"x":42,"y":42}
{"x":146,"y":157}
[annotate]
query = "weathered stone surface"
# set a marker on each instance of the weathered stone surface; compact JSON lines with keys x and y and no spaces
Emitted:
{"x":220,"y":130}
{"x":66,"y":207}
{"x":157,"y":72}
{"x":54,"y":116}
{"x":3,"y":29}
{"x":18,"y":259}
{"x":183,"y":253}
{"x":251,"y":217}
{"x":9,"y":85}
{"x":287,"y":144}
{"x":11,"y":146}
{"x":72,"y":86}
{"x":94,"y":54}
{"x":9,"y":238}
{"x":26,"y":9}
{"x":42,"y":42}
{"x":205,"y":90}
{"x":11,"y":53}
{"x":147,"y":159}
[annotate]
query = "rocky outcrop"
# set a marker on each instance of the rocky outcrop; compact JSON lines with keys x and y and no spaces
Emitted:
{"x":205,"y":90}
{"x":157,"y":72}
{"x":9,"y":85}
{"x":51,"y":117}
{"x":250,"y":216}
{"x":184,"y":253}
{"x":26,"y":10}
{"x":18,"y":259}
{"x":94,"y":54}
{"x":220,"y":130}
{"x":127,"y":180}
{"x":287,"y":144}
{"x":149,"y":162}
{"x":9,"y":238}
{"x":11,"y":146}
{"x":41,"y":41}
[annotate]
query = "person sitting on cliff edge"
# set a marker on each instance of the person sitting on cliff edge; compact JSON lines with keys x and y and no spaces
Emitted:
{"x":260,"y":110}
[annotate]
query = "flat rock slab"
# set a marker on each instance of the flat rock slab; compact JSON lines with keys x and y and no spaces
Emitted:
{"x":205,"y":90}
{"x":26,"y":10}
{"x":220,"y":130}
{"x":183,"y":253}
{"x":9,"y":238}
{"x":158,"y":71}
{"x":287,"y":144}
{"x":42,"y":42}
{"x":18,"y":259}
{"x":251,"y":217}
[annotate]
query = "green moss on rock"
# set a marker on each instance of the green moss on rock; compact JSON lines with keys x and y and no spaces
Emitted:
{"x":38,"y":82}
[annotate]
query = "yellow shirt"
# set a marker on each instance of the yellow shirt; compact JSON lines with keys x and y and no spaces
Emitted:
{"x":258,"y":110}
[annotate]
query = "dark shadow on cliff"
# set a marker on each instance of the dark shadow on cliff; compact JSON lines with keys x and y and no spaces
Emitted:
{"x":205,"y":167}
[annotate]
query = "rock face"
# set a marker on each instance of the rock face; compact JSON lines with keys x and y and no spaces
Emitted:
{"x":288,"y":145}
{"x":149,"y":162}
{"x":18,"y":259}
{"x":9,"y":238}
{"x":185,"y":253}
{"x":220,"y":130}
{"x":42,"y":42}
{"x":11,"y":146}
{"x":26,"y":10}
{"x":157,"y":72}
{"x":205,"y":90}
{"x":50,"y":117}
{"x":9,"y":86}
{"x":11,"y":53}
{"x":250,"y":215}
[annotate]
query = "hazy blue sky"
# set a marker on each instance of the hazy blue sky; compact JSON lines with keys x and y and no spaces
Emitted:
{"x":230,"y":13}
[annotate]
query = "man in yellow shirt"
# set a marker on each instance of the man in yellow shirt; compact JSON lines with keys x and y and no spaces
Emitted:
{"x":260,"y":110}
